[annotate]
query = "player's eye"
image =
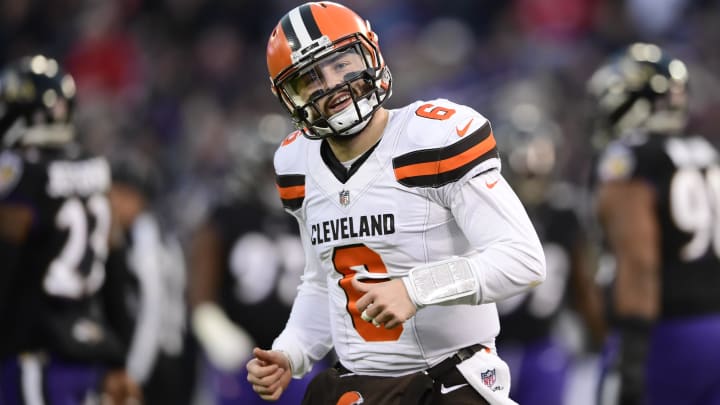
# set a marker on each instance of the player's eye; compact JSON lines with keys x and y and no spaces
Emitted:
{"x":315,"y":95}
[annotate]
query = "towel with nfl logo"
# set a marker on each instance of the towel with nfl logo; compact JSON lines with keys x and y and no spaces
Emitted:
{"x":489,"y":375}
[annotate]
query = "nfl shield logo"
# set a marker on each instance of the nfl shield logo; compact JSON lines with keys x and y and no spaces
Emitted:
{"x":488,"y":378}
{"x":344,"y":198}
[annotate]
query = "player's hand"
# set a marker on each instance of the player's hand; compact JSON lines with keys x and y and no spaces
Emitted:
{"x":385,"y":303}
{"x":120,"y":389}
{"x":269,"y":373}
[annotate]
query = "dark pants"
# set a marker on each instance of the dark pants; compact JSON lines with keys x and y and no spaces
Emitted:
{"x":539,"y":371}
{"x":684,"y":362}
{"x":234,"y":389}
{"x":335,"y":386}
{"x":30,"y":378}
{"x":683,"y":365}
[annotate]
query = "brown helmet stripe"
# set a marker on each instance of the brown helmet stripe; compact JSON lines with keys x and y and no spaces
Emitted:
{"x":309,"y":21}
{"x":290,"y":33}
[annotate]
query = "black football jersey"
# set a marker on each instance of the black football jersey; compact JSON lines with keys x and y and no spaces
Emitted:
{"x":263,"y":260}
{"x":531,"y":315}
{"x":53,"y":303}
{"x":684,"y":172}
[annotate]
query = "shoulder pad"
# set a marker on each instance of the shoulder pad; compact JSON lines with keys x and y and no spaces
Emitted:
{"x":11,"y":169}
{"x":290,"y":171}
{"x":285,"y":159}
{"x":443,"y":141}
{"x":440,"y":122}
{"x":693,"y":151}
{"x":617,"y":162}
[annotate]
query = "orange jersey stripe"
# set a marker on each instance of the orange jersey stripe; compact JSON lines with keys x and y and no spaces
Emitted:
{"x":292,"y":192}
{"x":446,"y":165}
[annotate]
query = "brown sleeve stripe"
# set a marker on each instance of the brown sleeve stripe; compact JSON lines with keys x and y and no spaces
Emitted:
{"x":291,"y":188}
{"x":436,"y":167}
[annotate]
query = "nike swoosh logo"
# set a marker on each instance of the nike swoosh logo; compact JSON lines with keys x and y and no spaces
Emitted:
{"x":462,"y":132}
{"x":446,"y":390}
{"x":491,"y":185}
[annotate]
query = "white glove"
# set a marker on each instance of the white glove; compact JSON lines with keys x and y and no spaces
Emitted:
{"x":226,"y":345}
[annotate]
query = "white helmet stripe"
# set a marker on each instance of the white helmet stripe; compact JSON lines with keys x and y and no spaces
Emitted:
{"x":298,"y":26}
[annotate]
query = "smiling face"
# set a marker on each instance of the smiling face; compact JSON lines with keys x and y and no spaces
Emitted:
{"x":328,"y":83}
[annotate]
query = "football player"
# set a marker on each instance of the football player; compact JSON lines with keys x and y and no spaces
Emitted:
{"x":56,"y":343}
{"x":544,"y":330}
{"x":245,"y":265}
{"x":656,"y":197}
{"x":146,"y":262}
{"x":410,"y":232}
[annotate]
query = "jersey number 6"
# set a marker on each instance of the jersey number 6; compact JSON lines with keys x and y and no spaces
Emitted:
{"x":348,"y":260}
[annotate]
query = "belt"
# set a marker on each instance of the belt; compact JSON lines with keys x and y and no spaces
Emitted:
{"x":448,"y":364}
{"x":439,"y":369}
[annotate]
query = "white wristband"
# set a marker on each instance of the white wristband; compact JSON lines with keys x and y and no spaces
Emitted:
{"x":450,"y":281}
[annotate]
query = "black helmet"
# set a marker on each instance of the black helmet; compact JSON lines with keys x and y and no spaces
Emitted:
{"x":36,"y":103}
{"x":642,"y":88}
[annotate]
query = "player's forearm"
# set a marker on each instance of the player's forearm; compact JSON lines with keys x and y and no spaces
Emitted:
{"x":637,"y":290}
{"x":507,"y":256}
{"x":627,"y":212}
{"x":306,"y":337}
{"x":473,"y":279}
{"x":508,"y":269}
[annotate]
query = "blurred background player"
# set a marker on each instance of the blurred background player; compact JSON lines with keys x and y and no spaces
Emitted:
{"x":56,"y":346}
{"x":245,"y":266}
{"x":657,"y":197}
{"x":544,"y":330}
{"x":146,"y":259}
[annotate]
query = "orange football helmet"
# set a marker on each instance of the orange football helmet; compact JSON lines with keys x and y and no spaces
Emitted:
{"x":326,"y":68}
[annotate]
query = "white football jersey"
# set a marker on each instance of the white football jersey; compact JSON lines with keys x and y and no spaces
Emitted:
{"x":400,"y":206}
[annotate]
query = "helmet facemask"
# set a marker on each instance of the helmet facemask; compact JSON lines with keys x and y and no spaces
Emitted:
{"x":335,"y":90}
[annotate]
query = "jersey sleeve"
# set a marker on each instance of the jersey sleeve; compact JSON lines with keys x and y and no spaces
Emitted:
{"x":289,"y":173}
{"x":11,"y":168}
{"x":616,"y":162}
{"x":507,"y":256}
{"x":307,"y":338}
{"x":444,"y":153}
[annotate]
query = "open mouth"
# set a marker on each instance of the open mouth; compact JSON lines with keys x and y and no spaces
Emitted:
{"x":339,"y":102}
